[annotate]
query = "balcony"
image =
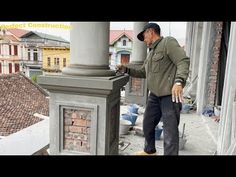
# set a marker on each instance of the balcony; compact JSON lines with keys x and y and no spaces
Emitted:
{"x":32,"y":63}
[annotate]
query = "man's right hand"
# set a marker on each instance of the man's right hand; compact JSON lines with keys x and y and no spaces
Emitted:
{"x":120,"y":69}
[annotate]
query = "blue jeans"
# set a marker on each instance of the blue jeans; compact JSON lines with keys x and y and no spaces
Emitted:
{"x":162,"y":108}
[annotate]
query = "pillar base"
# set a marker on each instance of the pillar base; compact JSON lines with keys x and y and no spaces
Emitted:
{"x":84,"y":114}
{"x":83,"y":70}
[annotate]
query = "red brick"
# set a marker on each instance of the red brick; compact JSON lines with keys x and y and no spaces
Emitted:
{"x":87,"y":130}
{"x":68,"y":141}
{"x":68,"y":121}
{"x":68,"y":135}
{"x":88,"y":123}
{"x":66,"y":128}
{"x":76,"y":129}
{"x":80,"y":122}
{"x":74,"y":115}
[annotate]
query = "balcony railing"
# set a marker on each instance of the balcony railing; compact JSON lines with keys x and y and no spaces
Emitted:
{"x":32,"y":63}
{"x":32,"y":40}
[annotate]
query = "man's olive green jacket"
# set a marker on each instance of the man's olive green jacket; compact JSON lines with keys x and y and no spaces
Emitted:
{"x":165,"y":64}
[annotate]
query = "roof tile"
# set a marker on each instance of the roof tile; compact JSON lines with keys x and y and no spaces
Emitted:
{"x":116,"y":34}
{"x":20,"y":98}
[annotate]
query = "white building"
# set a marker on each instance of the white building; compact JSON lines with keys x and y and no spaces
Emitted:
{"x":11,"y":50}
{"x":120,"y":49}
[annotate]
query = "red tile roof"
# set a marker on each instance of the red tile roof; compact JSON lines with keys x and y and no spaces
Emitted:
{"x":20,"y":98}
{"x":117,"y":34}
{"x":11,"y":37}
{"x":8,"y":38}
{"x":18,"y":32}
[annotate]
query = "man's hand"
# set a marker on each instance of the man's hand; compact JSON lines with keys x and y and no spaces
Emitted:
{"x":177,"y":93}
{"x":120,"y":69}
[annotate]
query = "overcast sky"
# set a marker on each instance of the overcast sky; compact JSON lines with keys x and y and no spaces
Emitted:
{"x":175,"y":29}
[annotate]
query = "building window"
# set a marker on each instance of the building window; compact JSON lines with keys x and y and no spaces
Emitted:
{"x":55,"y":61}
{"x":15,"y":50}
{"x":28,"y":54}
{"x":64,"y":62}
{"x":0,"y":67}
{"x":124,"y":42}
{"x":10,"y":68}
{"x":35,"y":55}
{"x":9,"y":49}
{"x":49,"y":61}
{"x":17,"y":67}
{"x":58,"y":61}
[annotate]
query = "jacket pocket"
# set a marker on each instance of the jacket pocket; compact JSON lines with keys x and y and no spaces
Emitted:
{"x":156,"y":59}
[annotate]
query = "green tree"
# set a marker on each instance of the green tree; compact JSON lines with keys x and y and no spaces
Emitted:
{"x":34,"y":78}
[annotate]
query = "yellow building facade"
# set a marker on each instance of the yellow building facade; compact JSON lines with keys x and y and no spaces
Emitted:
{"x":55,"y":58}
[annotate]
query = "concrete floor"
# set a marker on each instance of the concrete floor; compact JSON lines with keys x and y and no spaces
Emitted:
{"x":200,"y":131}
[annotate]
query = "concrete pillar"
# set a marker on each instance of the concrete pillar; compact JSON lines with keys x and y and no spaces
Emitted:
{"x":204,"y":64}
{"x":136,"y":89}
{"x":189,"y":51}
{"x":85,"y":100}
{"x":195,"y":54}
{"x":225,"y":133}
{"x":89,"y":50}
{"x":139,"y":50}
{"x":189,"y":36}
{"x":196,"y":48}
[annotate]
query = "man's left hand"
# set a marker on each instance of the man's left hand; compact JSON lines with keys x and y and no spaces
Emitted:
{"x":177,"y":93}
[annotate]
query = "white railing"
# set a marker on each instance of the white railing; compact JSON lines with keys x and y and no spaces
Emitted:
{"x":28,"y":141}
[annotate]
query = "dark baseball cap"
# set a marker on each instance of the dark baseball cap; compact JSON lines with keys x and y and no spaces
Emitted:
{"x":149,"y":25}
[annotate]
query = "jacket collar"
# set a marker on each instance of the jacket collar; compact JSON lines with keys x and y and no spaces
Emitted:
{"x":155,"y":43}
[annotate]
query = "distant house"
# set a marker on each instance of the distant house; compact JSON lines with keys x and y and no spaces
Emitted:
{"x":120,"y":49}
{"x":17,"y":32}
{"x":33,"y":42}
{"x":21,"y":103}
{"x":55,"y":58}
{"x":11,"y":50}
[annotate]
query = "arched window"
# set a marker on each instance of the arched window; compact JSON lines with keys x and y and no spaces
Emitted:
{"x":124,"y":42}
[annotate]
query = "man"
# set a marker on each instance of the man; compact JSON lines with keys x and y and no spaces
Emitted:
{"x":166,"y":69}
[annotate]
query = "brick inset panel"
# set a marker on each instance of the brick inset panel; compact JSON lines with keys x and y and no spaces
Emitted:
{"x":136,"y":86}
{"x":77,"y":124}
{"x":212,"y":79}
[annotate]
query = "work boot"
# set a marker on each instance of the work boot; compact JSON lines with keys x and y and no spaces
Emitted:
{"x":144,"y":153}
